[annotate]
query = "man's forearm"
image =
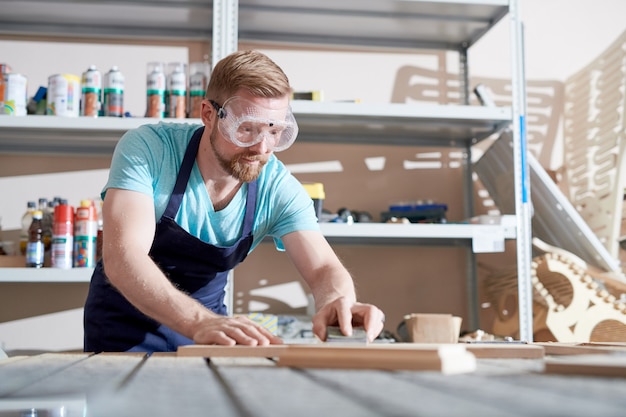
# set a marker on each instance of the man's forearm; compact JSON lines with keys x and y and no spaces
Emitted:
{"x":147,"y":288}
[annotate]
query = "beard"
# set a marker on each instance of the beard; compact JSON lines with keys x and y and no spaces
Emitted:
{"x":234,"y":166}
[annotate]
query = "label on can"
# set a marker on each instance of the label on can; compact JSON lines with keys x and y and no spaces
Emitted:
{"x":63,"y":95}
{"x":91,"y":83}
{"x":197,"y":89}
{"x":13,"y":94}
{"x":114,"y":93}
{"x":62,"y":251}
{"x":156,"y":94}
{"x":177,"y":94}
{"x":84,"y":251}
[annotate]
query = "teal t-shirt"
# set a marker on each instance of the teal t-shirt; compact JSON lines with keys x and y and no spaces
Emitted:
{"x":147,"y":160}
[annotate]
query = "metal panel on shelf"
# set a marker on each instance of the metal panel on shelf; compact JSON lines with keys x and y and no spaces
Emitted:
{"x":131,"y":19}
{"x":554,"y":220}
{"x":370,"y":23}
{"x":367,"y":23}
{"x":427,"y":125}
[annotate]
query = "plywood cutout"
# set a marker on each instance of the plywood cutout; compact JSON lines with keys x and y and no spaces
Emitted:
{"x":568,"y":301}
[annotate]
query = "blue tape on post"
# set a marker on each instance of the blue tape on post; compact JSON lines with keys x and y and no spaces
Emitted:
{"x":522,"y":123}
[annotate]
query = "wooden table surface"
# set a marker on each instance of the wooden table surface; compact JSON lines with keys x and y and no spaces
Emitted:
{"x":103,"y":385}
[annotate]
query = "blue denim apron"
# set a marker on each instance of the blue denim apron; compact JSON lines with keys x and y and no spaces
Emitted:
{"x":197,"y":268}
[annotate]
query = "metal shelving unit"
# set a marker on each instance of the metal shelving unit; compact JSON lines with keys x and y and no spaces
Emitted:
{"x":319,"y":122}
{"x":358,"y":24}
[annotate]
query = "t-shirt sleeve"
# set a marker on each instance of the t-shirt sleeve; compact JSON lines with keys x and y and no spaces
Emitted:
{"x":133,"y":165}
{"x":291,"y":208}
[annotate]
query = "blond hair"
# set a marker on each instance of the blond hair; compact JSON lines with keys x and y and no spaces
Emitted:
{"x":249,"y":70}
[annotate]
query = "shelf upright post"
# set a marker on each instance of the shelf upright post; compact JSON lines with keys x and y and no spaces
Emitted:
{"x":225,"y":41}
{"x":522,"y":182}
{"x":225,"y":28}
{"x":468,"y":198}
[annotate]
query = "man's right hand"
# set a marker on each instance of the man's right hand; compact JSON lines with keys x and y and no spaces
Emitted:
{"x":230,"y":331}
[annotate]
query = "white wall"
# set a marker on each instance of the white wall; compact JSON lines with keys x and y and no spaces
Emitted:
{"x":562,"y":36}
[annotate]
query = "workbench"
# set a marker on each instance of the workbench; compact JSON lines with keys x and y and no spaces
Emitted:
{"x":109,"y":384}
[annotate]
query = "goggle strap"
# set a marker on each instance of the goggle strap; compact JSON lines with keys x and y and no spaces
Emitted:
{"x":221,"y":113}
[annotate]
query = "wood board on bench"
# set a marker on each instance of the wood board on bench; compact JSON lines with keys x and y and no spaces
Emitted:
{"x":446,"y":358}
{"x":585,"y":348}
{"x":612,"y":365}
{"x":511,"y":350}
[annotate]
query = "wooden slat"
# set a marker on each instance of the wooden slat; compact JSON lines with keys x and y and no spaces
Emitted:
{"x":165,"y":386}
{"x":237,"y":351}
{"x":281,"y":391}
{"x":506,"y":350}
{"x":18,"y":375}
{"x":589,"y":348}
{"x":598,"y":365}
{"x":407,"y":393}
{"x":104,"y":372}
{"x":448,"y":358}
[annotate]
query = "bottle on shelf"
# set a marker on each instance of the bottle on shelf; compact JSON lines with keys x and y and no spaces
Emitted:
{"x":85,"y":235}
{"x":198,"y":78}
{"x":35,"y":245}
{"x":47,"y":218}
{"x":63,"y":236}
{"x":27,"y":219}
{"x":100,"y":236}
{"x":176,"y":93}
{"x":2,"y":250}
{"x":155,"y":88}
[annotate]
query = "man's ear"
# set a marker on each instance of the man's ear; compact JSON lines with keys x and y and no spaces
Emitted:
{"x":208,"y":113}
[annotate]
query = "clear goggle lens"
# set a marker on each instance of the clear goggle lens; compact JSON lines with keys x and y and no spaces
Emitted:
{"x":245,"y":124}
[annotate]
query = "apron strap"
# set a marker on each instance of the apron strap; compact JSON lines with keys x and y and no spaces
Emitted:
{"x":183,"y":176}
{"x":248,"y":220}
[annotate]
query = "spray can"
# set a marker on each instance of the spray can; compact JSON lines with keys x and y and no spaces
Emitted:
{"x":63,"y":96}
{"x":85,"y":235}
{"x":4,"y":69}
{"x":177,"y":91}
{"x":13,"y":94}
{"x":114,"y":93}
{"x":91,"y":83}
{"x":198,"y":79}
{"x":155,"y":90}
{"x":63,"y":236}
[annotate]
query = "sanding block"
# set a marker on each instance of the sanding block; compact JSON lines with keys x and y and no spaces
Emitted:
{"x":334,"y":335}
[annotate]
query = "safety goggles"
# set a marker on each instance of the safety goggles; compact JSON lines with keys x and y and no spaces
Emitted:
{"x":245,"y":124}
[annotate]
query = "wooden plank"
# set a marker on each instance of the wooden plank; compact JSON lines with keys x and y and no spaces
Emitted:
{"x":588,"y":348}
{"x":608,"y":365}
{"x":282,"y":391}
{"x":249,"y":362}
{"x":447,"y":358}
{"x":103,"y":372}
{"x":18,"y":375}
{"x":237,"y":351}
{"x":506,"y":350}
{"x":165,"y":386}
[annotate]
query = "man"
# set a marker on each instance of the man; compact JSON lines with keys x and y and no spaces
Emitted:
{"x":185,"y":204}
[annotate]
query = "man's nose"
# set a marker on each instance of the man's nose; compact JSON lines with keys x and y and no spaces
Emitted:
{"x":261,"y":147}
